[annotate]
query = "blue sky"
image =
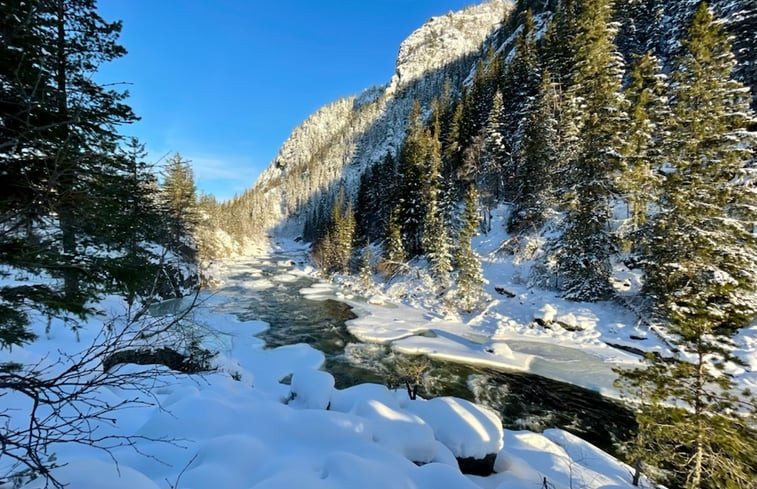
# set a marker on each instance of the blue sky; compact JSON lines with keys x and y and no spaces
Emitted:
{"x":224,"y":82}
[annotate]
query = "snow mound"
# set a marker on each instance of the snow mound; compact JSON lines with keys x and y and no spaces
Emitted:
{"x":399,"y":431}
{"x":466,"y":429}
{"x":312,"y":389}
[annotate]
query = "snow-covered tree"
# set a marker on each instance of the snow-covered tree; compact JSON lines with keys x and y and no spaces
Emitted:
{"x":436,"y":241}
{"x":394,"y":256}
{"x":539,"y":150}
{"x":643,"y":149}
{"x":470,"y":279}
{"x":701,"y":252}
{"x":596,"y":107}
{"x":700,"y":258}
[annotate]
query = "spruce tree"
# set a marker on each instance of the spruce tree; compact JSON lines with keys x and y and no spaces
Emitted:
{"x":642,"y":152}
{"x":470,"y":279}
{"x":520,"y":86}
{"x":180,"y":198}
{"x":436,"y":236}
{"x":58,"y":152}
{"x":701,"y":253}
{"x":413,"y":169}
{"x":494,"y":156}
{"x":538,"y":160}
{"x":700,"y":256}
{"x":596,"y":107}
{"x":394,"y":256}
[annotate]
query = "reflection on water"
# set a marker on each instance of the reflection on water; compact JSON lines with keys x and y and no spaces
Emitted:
{"x":524,"y":401}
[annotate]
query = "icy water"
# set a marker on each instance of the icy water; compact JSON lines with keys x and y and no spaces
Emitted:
{"x":524,"y":401}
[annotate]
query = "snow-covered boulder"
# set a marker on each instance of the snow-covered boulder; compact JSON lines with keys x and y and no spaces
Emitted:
{"x":345,"y":400}
{"x":468,"y":430}
{"x":311,"y":389}
{"x":399,"y":431}
{"x":545,"y":315}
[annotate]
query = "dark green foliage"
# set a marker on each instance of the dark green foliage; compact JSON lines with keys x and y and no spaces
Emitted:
{"x":376,"y":196}
{"x":643,"y":152}
{"x":394,"y":256}
{"x":436,"y":240}
{"x":180,"y":197}
{"x":596,"y":112}
{"x":73,"y":206}
{"x":701,"y":253}
{"x":539,"y":151}
{"x":333,"y":252}
{"x":557,"y":44}
{"x":699,"y":258}
{"x":470,"y":278}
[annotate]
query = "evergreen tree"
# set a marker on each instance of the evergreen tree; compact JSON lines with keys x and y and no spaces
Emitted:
{"x":180,"y":198}
{"x":538,"y":157}
{"x":470,"y":277}
{"x":495,"y":154}
{"x":596,"y":107}
{"x":519,"y":88}
{"x":701,"y":253}
{"x":642,"y":152}
{"x":394,"y":250}
{"x":58,"y":152}
{"x":436,"y":237}
{"x":700,"y":258}
{"x":557,"y":45}
{"x":413,"y":169}
{"x":366,"y":266}
{"x":333,"y":251}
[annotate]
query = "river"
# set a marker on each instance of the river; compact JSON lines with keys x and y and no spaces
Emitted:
{"x":265,"y":289}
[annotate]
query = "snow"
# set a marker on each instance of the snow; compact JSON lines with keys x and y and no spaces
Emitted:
{"x":312,"y":389}
{"x":272,"y":418}
{"x":466,"y":429}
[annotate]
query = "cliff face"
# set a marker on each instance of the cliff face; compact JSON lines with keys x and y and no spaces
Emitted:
{"x":334,"y":145}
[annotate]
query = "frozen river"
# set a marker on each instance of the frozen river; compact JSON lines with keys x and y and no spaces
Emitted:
{"x":269,"y":289}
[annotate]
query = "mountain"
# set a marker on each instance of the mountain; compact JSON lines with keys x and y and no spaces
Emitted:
{"x":334,"y":146}
{"x":337,"y":143}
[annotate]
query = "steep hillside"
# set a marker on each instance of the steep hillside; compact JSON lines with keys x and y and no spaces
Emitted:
{"x":334,"y":146}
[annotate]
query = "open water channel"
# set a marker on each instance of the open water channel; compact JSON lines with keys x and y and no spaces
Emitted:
{"x":523,"y":400}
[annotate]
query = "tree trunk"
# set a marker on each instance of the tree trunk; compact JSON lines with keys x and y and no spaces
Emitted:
{"x":696,"y":472}
{"x":65,"y":172}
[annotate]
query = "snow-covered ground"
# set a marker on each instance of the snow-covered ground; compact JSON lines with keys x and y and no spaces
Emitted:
{"x":519,"y":326}
{"x":273,"y":419}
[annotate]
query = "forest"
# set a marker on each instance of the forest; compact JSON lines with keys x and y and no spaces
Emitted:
{"x":599,"y":135}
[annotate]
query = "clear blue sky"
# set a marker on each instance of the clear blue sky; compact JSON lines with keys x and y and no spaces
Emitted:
{"x":224,"y":82}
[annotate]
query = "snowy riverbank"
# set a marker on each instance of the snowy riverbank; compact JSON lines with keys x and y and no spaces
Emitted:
{"x":272,"y":419}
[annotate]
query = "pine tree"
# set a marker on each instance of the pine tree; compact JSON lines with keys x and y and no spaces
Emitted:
{"x":557,"y":45}
{"x":538,"y":157}
{"x":596,"y":107}
{"x":519,"y":88}
{"x":333,"y":251}
{"x":470,"y":277}
{"x":180,"y":198}
{"x":494,"y":156}
{"x":701,"y":253}
{"x":366,"y":266}
{"x":394,"y":250}
{"x":642,"y":152}
{"x":58,"y":152}
{"x":435,"y":236}
{"x":413,"y":168}
{"x":700,"y":257}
